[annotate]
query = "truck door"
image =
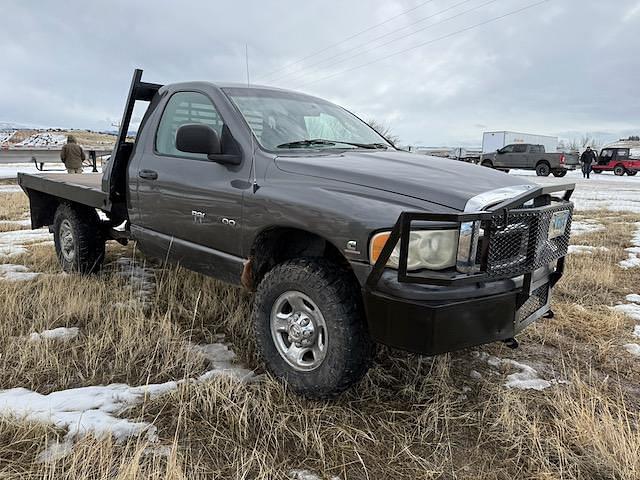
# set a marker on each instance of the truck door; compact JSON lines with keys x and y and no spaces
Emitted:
{"x":504,"y":157}
{"x":606,"y":157}
{"x":519,"y":157}
{"x":185,"y":197}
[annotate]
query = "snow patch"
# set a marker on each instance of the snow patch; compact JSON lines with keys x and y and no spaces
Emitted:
{"x":527,"y":378}
{"x":45,"y":139}
{"x":633,"y":349}
{"x":25,"y":222}
{"x":141,"y":279}
{"x":60,"y":333}
{"x":14,"y":243}
{"x":94,"y":410}
{"x":636,"y":331}
{"x":630,"y":309}
{"x":586,"y":249}
{"x":10,"y":189}
{"x":303,"y":474}
{"x":16,"y":273}
{"x":580,"y":227}
{"x":5,"y":135}
{"x":633,"y":259}
{"x":633,"y":297}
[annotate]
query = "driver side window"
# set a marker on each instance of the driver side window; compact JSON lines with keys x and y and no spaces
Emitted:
{"x":520,"y":148}
{"x":185,"y":108}
{"x":508,"y":149}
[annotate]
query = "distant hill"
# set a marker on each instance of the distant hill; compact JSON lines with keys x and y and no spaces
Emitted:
{"x":19,"y":136}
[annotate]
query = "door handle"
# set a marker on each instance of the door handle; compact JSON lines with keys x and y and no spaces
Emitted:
{"x":148,"y":174}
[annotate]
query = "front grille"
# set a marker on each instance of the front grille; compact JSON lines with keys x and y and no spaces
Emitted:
{"x":521,"y":244}
{"x":535,"y":302}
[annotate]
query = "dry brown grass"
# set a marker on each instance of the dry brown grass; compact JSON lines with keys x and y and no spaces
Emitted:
{"x":411,"y":417}
{"x":13,"y":206}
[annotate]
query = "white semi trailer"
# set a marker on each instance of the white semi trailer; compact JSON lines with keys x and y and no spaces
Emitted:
{"x":492,"y":141}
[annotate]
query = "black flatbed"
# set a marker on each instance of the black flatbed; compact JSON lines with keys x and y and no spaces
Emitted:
{"x":85,"y":189}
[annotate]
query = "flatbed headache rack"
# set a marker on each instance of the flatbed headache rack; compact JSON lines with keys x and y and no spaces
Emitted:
{"x":510,"y":221}
{"x":114,"y":178}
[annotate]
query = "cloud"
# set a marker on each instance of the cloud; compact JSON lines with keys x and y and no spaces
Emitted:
{"x":548,"y":70}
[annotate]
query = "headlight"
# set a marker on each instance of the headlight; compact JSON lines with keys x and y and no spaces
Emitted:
{"x":432,"y":249}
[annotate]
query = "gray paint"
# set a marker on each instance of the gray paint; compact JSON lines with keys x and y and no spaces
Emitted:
{"x":341,"y":196}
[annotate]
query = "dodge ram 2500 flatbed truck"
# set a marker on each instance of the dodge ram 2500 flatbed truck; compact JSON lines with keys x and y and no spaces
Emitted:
{"x":346,"y":241}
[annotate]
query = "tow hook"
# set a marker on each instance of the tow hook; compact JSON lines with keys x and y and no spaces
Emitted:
{"x":511,"y":343}
{"x":549,"y":314}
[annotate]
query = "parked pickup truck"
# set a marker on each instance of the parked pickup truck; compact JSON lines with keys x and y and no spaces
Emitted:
{"x":346,"y":241}
{"x":530,"y":157}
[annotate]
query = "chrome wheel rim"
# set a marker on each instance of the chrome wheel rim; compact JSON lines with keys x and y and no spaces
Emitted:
{"x":67,"y":244}
{"x":299,"y":331}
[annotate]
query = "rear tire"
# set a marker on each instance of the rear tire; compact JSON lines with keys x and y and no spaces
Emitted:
{"x":618,"y":170}
{"x":78,"y":239}
{"x":597,"y":172}
{"x":559,"y":173}
{"x":543,"y":169}
{"x":631,"y":174}
{"x":310,"y":327}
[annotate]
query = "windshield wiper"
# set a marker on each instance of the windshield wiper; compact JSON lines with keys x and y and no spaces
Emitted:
{"x":321,"y":141}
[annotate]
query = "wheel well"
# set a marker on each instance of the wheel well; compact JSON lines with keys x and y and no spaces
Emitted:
{"x":619,"y":165}
{"x":543,"y":161}
{"x":43,"y":208}
{"x":277,"y":244}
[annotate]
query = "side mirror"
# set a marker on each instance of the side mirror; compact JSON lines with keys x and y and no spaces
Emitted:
{"x":199,"y":138}
{"x":499,"y":151}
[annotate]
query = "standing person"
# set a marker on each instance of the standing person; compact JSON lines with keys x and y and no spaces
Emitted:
{"x":587,"y":158}
{"x":72,"y":155}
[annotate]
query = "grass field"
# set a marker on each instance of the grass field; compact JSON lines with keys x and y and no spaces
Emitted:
{"x":412,"y":417}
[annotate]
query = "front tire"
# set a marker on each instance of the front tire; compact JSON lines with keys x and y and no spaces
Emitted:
{"x":543,"y":169}
{"x":487,"y":163}
{"x":78,"y":239}
{"x":310,"y":327}
{"x":632,"y":173}
{"x":559,"y":173}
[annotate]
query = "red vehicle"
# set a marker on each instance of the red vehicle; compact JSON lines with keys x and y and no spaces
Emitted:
{"x":619,"y":159}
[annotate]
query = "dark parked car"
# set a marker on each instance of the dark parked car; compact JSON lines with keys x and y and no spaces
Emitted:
{"x":525,"y":156}
{"x":345,"y":240}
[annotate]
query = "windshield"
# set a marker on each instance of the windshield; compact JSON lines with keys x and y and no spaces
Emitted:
{"x":286,"y":120}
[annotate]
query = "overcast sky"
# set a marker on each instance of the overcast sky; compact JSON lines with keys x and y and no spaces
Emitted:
{"x":564,"y":67}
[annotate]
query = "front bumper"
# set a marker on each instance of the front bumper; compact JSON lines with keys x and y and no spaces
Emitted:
{"x":506,"y":287}
{"x":427,"y":325}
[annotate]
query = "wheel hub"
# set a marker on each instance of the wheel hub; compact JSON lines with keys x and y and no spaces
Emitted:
{"x":67,"y":245}
{"x":299,"y":331}
{"x":302,"y":332}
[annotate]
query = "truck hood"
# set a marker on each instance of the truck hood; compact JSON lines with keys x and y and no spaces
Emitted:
{"x":449,"y":183}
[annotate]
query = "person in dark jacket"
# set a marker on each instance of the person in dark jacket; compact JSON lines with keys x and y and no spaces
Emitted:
{"x":72,"y":155}
{"x":587,"y":158}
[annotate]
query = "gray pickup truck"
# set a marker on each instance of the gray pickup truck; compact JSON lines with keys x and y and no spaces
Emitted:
{"x":346,"y":241}
{"x":525,"y":156}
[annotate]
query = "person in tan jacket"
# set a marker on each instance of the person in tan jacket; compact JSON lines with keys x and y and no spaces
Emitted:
{"x":72,"y":155}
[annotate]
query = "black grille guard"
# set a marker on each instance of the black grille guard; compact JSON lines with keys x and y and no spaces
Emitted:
{"x":541,"y":197}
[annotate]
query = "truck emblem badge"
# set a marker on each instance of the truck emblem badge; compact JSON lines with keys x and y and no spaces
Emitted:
{"x":352,"y":247}
{"x":198,"y":217}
